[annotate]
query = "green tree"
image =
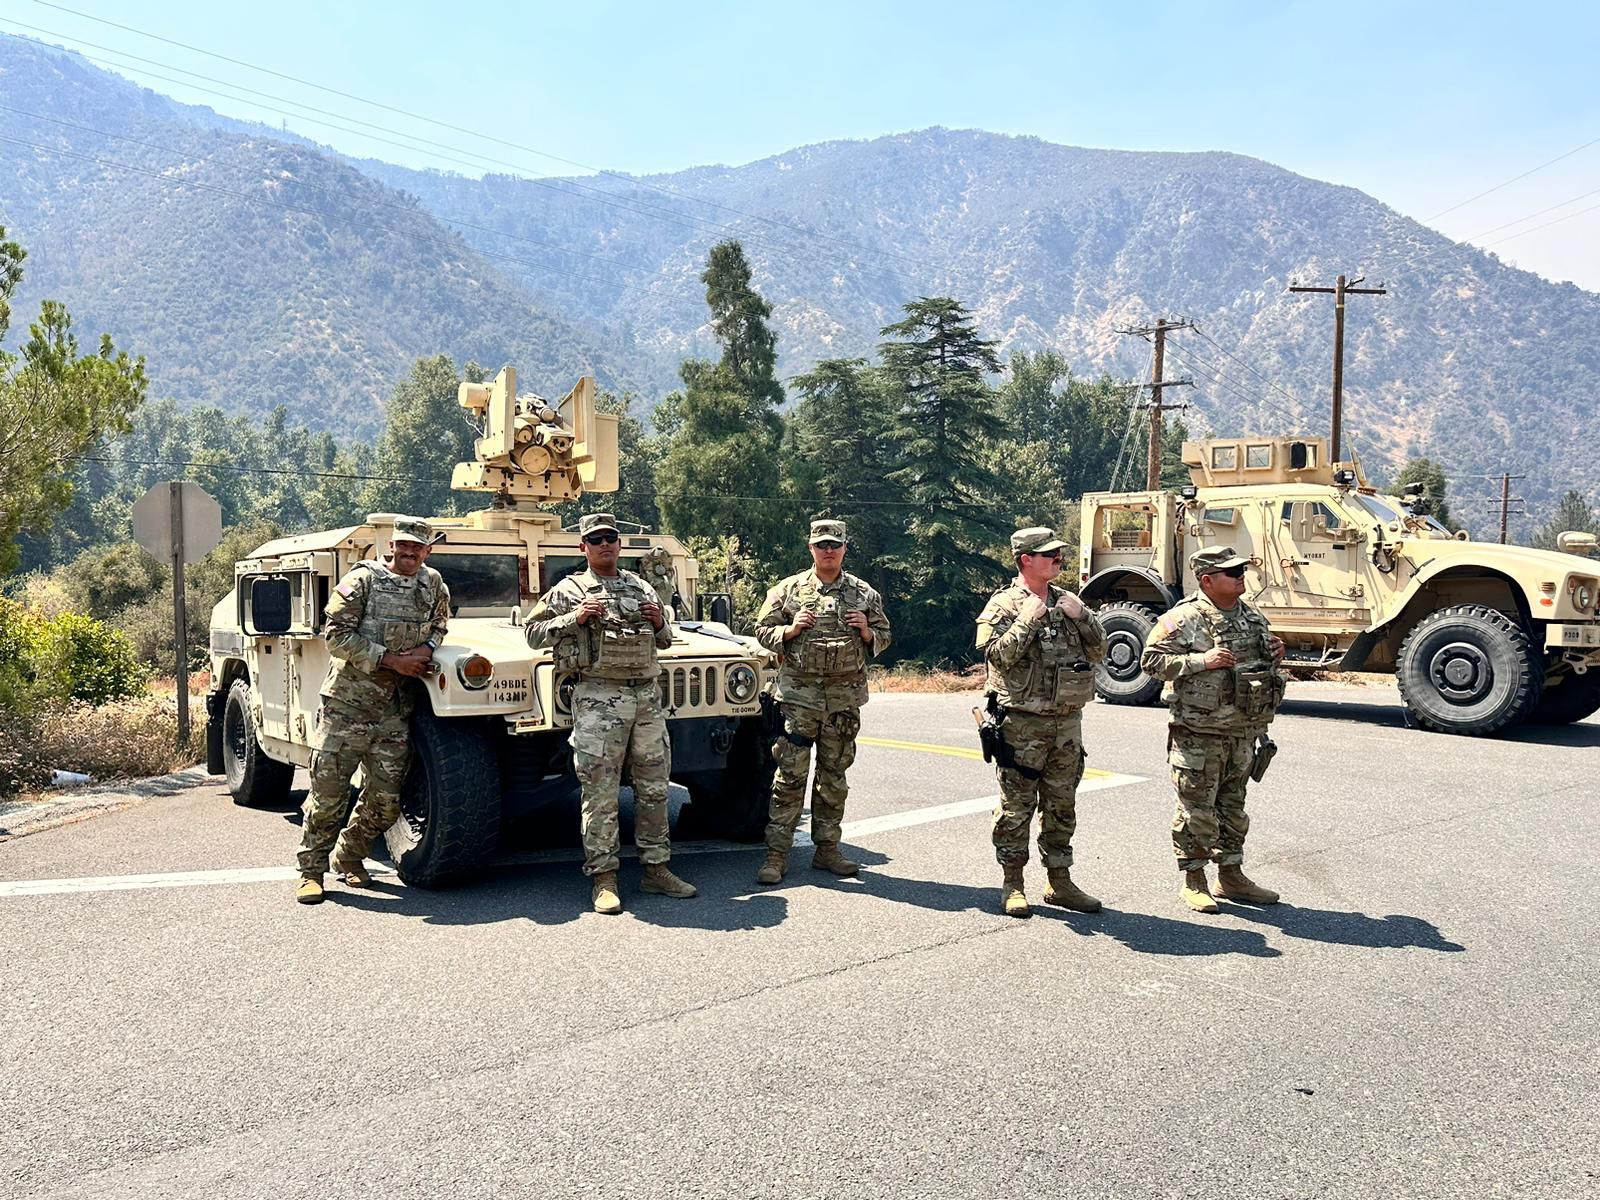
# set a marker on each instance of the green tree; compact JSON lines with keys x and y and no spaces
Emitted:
{"x":721,"y":463}
{"x":939,"y":366}
{"x":1434,"y":486}
{"x":426,"y":433}
{"x":1572,"y":513}
{"x":54,"y":404}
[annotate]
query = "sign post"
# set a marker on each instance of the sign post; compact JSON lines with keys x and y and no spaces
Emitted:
{"x":179,"y":522}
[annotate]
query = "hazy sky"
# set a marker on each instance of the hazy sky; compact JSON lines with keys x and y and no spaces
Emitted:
{"x":1422,"y":105}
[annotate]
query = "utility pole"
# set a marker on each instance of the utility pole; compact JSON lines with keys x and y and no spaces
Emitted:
{"x":1339,"y":291}
{"x":1506,"y":500}
{"x":1156,"y":407}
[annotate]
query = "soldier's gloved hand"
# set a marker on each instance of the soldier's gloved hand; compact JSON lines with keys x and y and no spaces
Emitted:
{"x":590,"y":608}
{"x":1070,"y":605}
{"x":857,"y":620}
{"x":1034,"y":609}
{"x":803,"y":620}
{"x":1219,"y":656}
{"x":652,"y":613}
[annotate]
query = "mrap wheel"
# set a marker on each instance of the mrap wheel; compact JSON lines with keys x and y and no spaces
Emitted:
{"x":1119,"y":679}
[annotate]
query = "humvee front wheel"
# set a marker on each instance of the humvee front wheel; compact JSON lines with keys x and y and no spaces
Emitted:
{"x":733,"y":803}
{"x":1572,"y":699}
{"x":1120,"y":679}
{"x":255,"y":780}
{"x":450,"y":801}
{"x":1469,"y":670}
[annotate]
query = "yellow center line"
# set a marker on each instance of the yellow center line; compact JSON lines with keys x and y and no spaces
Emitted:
{"x":956,"y":752}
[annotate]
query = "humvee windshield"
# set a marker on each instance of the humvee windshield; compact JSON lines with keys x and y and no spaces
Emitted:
{"x":480,"y":580}
{"x":553,"y":568}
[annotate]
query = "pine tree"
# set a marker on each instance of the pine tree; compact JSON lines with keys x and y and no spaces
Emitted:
{"x":943,"y":422}
{"x":1434,"y":486}
{"x":1572,"y":514}
{"x":719,"y":475}
{"x":426,"y":433}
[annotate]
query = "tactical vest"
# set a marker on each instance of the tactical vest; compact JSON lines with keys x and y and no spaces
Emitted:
{"x":1054,"y":676}
{"x":1237,"y":698}
{"x":621,"y":643}
{"x":398,"y":615}
{"x":830,"y":649}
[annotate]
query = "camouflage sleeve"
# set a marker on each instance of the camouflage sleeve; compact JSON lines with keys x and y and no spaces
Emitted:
{"x":1092,"y":635}
{"x":664,"y":634}
{"x":878,"y":622}
{"x":439,"y":622}
{"x":773,"y":619}
{"x":346,"y":606}
{"x":552,"y":616}
{"x":1010,"y":636}
{"x":1169,"y":651}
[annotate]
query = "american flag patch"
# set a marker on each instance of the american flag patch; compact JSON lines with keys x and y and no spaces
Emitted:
{"x":345,"y":590}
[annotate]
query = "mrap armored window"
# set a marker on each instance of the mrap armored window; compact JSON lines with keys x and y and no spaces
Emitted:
{"x":1258,"y":458}
{"x":1224,"y":458}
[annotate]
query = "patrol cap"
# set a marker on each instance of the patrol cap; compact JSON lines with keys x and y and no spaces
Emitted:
{"x":827,"y":531}
{"x":597,"y":523}
{"x":1036,"y":539}
{"x":1215,"y":558}
{"x":414,"y":529}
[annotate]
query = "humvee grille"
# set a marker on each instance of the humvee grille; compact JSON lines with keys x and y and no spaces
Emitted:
{"x":689,"y":687}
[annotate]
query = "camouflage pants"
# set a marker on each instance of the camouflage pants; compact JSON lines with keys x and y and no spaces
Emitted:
{"x":381,"y":747}
{"x":1052,"y":746}
{"x":615,"y":724}
{"x":834,"y":735}
{"x":1209,"y":771}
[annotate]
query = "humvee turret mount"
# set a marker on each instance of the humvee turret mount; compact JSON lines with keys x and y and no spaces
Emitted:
{"x":1479,"y":635}
{"x":491,"y":723}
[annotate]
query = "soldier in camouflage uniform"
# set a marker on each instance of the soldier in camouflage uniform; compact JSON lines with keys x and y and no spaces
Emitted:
{"x":1219,"y":658}
{"x":384,"y":621}
{"x":606,"y":624}
{"x":1040,"y":645}
{"x":825,"y":625}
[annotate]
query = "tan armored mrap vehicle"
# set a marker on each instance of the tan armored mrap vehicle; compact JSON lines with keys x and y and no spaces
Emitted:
{"x":491,"y":724}
{"x":1480,"y":635}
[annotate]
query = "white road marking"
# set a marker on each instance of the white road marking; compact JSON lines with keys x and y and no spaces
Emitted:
{"x":853,"y":830}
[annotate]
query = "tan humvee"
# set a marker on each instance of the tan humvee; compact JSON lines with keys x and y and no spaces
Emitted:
{"x":1480,"y":635}
{"x":492,"y":722}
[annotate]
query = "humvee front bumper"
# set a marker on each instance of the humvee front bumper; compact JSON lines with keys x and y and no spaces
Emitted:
{"x":1571,"y":637}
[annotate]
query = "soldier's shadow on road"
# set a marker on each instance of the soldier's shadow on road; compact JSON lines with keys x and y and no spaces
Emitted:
{"x":558,"y":893}
{"x":1142,"y":933}
{"x":1392,"y":932}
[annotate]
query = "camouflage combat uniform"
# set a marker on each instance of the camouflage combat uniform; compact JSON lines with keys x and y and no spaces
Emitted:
{"x":822,"y":684}
{"x":617,"y":716}
{"x":1040,"y":671}
{"x":1217,"y":714}
{"x":363,"y":719}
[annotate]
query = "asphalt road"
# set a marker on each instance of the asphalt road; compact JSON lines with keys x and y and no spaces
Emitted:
{"x":1417,"y":1019}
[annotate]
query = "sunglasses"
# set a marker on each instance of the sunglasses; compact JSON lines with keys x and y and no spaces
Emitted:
{"x":600,"y":539}
{"x":1053,"y":556}
{"x":828,"y":545}
{"x":1233,"y":572}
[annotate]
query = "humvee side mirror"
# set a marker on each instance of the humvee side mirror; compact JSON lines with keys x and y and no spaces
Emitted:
{"x":269,"y":605}
{"x":714,"y":606}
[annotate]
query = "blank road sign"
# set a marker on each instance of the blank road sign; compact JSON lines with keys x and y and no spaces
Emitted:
{"x":202,"y":521}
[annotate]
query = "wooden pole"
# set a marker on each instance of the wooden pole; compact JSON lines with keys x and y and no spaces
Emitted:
{"x":180,"y":622}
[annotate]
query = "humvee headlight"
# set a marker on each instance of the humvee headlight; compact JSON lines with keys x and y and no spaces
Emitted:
{"x":741,"y":685}
{"x":1584,"y":596}
{"x":474,"y":671}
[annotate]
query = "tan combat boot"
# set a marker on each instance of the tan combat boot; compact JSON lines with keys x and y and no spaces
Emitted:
{"x":353,"y":872}
{"x":1013,"y":900}
{"x":310,"y":889}
{"x":1063,"y":893}
{"x":1233,"y":884}
{"x":826,"y":857}
{"x":772,"y":870}
{"x":1196,"y":894}
{"x":606,"y":897}
{"x":662,"y":882}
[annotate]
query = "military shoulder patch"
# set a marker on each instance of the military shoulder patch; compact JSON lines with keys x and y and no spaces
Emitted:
{"x":1168,"y":624}
{"x":345,"y":590}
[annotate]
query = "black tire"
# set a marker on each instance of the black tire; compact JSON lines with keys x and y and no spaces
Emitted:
{"x":1468,"y":670}
{"x":1571,"y":699}
{"x":733,"y":803}
{"x":255,"y":779}
{"x":1119,"y":679}
{"x":449,"y":822}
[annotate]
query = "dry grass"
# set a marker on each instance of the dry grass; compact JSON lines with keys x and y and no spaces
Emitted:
{"x":124,"y":739}
{"x":926,"y":679}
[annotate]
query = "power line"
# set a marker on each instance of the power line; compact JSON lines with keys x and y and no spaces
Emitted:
{"x":1530,"y":216}
{"x":1486,"y":191}
{"x":1289,"y":396}
{"x":1546,"y":225}
{"x":462,"y":129}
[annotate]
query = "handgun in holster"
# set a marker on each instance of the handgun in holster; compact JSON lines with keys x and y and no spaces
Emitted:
{"x":991,"y":736}
{"x":1266,"y":748}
